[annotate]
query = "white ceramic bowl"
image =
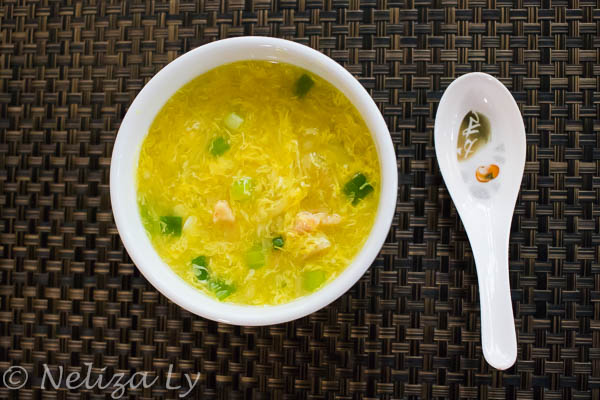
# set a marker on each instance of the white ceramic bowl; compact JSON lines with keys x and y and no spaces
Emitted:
{"x":135,"y":126}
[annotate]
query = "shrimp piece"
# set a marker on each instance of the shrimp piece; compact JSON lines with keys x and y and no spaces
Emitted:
{"x":309,"y":222}
{"x":329,"y":219}
{"x":222,"y":212}
{"x":306,"y":222}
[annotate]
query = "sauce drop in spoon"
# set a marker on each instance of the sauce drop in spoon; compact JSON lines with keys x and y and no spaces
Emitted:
{"x":480,"y":147}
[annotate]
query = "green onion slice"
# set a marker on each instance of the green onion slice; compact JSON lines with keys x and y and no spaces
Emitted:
{"x":303,"y":85}
{"x":219,"y":146}
{"x":200,"y":267}
{"x":357,"y":188}
{"x":170,"y":225}
{"x":312,"y":280}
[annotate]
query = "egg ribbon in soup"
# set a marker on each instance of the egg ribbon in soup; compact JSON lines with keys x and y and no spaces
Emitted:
{"x":258,"y":182}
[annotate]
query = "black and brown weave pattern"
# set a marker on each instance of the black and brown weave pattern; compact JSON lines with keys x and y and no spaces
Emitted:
{"x":69,"y":294}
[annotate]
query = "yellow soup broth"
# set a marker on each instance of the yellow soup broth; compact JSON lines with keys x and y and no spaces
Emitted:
{"x":258,"y":182}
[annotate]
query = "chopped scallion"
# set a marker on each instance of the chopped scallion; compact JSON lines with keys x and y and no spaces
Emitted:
{"x":303,"y":85}
{"x":312,"y":280}
{"x":170,"y":225}
{"x":241,"y":189}
{"x":233,"y":121}
{"x":278,"y":242}
{"x":255,"y":257}
{"x":200,"y":267}
{"x":219,"y":146}
{"x":221,"y":289}
{"x":357,"y":188}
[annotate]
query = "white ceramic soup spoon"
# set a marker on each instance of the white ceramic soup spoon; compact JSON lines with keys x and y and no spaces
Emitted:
{"x":480,"y":147}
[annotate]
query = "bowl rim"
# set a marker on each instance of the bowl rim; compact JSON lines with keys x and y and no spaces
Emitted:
{"x":124,"y":163}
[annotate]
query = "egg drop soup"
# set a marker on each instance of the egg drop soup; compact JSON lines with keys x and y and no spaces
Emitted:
{"x":258,"y":182}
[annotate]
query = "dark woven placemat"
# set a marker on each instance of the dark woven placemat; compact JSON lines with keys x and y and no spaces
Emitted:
{"x":69,"y":293}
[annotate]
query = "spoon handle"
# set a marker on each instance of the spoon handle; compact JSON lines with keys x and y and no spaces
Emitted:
{"x":498,"y":336}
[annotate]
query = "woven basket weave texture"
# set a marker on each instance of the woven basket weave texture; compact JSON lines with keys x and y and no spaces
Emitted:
{"x":69,"y":293}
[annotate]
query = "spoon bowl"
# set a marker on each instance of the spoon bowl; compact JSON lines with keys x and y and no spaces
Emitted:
{"x":480,"y":146}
